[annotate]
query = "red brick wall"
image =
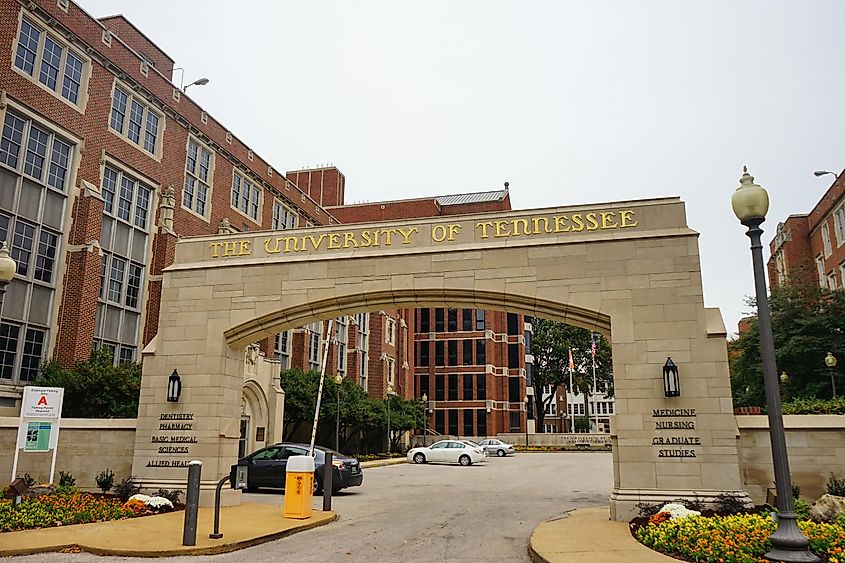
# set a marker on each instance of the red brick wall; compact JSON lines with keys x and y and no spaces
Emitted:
{"x":797,"y":250}
{"x":133,"y":37}
{"x":326,"y":186}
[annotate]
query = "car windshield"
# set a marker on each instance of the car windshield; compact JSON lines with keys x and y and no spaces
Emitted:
{"x":471,"y":443}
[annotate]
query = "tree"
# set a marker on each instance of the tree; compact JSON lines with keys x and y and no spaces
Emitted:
{"x":96,"y":388}
{"x":550,"y":345}
{"x":405,"y":415}
{"x":808,"y":321}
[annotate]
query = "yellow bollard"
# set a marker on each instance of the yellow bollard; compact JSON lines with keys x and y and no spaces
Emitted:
{"x":299,"y":486}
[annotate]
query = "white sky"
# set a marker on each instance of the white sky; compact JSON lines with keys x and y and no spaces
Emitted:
{"x":571,"y":102}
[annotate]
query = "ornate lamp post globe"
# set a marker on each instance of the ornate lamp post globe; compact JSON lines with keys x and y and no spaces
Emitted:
{"x":8,"y":267}
{"x":750,"y":203}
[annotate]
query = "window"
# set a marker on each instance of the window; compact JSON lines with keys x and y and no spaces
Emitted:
{"x":480,"y":352}
{"x":479,"y":319}
{"x":481,"y":421}
{"x":453,"y":387}
{"x":513,"y":356}
{"x":363,"y":346}
{"x":468,"y":386}
{"x":440,"y":421}
{"x":453,"y":320}
{"x":513,"y":390}
{"x":423,"y":358}
{"x":424,"y":386}
{"x":515,"y":421}
{"x":438,"y":353}
{"x":468,"y":425}
{"x":831,"y":280}
{"x":453,"y":422}
{"x":438,"y":320}
{"x":821,"y":272}
{"x":467,"y":350}
{"x":341,"y":336}
{"x":124,"y":237}
{"x":425,"y":320}
{"x":199,"y":166}
{"x":283,"y":216}
{"x":828,"y":249}
{"x":466,"y":319}
{"x":391,"y":371}
{"x":390,"y":330}
{"x":453,"y":352}
{"x":134,"y":120}
{"x":439,"y":387}
{"x":839,"y":225}
{"x":45,"y":58}
{"x":281,"y":349}
{"x":481,"y":387}
{"x":513,"y":324}
{"x":246,"y":196}
{"x":34,"y":151}
{"x":314,"y":333}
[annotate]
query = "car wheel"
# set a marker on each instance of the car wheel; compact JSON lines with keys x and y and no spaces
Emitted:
{"x":419,"y":458}
{"x":500,"y":453}
{"x":464,"y":460}
{"x":318,"y":486}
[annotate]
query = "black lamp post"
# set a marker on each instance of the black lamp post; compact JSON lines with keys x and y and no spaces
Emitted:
{"x":830,"y":362}
{"x":525,"y":400}
{"x":750,"y":203}
{"x":339,"y":380}
{"x":174,"y":387}
{"x":671,"y":381}
{"x":424,"y":399}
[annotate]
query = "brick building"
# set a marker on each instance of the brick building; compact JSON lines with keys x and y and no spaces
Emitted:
{"x":105,"y":162}
{"x":811,"y":246}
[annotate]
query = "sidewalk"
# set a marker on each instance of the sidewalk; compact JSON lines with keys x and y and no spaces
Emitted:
{"x":587,"y":535}
{"x":161,"y":535}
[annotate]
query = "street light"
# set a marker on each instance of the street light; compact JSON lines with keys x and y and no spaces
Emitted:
{"x":8,"y":268}
{"x":197,"y":82}
{"x":820,"y":173}
{"x":525,"y":400}
{"x":830,"y":361}
{"x":389,"y":393}
{"x":339,"y":380}
{"x":750,"y":203}
{"x":425,"y":417}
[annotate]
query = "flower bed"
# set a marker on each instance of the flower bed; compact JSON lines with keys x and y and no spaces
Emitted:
{"x":738,"y":538}
{"x":71,"y":507}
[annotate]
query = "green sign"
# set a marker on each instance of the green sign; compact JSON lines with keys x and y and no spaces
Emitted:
{"x":38,"y":436}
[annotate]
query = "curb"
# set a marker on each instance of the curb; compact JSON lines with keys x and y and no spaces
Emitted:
{"x":383,"y":462}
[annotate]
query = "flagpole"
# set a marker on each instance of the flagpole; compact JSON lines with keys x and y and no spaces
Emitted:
{"x":595,"y":410}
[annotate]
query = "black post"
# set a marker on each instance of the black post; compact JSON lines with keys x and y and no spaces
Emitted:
{"x":327,"y":482}
{"x":832,"y":382}
{"x":788,"y":542}
{"x":216,"y":535}
{"x":337,"y":423}
{"x":192,"y":503}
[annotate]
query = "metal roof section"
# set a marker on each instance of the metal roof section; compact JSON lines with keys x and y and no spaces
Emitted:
{"x":477,"y":197}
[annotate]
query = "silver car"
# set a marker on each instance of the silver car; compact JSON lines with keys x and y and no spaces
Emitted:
{"x":492,"y":446}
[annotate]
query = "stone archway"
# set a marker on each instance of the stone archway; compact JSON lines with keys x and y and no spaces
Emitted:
{"x":630,"y":270}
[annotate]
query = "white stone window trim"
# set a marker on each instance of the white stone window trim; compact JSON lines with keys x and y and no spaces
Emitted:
{"x":276,"y":222}
{"x":211,"y":170}
{"x":82,"y":102}
{"x":148,"y":107}
{"x":826,"y":242}
{"x":244,"y":177}
{"x":390,"y":330}
{"x":821,"y":271}
{"x":839,"y":224}
{"x":390,"y":367}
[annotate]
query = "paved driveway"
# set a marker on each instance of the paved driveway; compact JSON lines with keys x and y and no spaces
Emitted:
{"x":434,"y":512}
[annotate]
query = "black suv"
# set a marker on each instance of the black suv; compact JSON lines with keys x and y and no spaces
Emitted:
{"x":267,"y":467}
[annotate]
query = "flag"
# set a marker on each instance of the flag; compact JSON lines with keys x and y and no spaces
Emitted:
{"x":571,"y":363}
{"x":593,"y":344}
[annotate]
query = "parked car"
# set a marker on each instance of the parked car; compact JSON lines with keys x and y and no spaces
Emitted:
{"x":447,"y":451}
{"x":266,"y":467}
{"x":496,"y":447}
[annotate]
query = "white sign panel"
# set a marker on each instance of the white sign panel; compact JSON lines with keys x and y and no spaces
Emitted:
{"x":42,"y":402}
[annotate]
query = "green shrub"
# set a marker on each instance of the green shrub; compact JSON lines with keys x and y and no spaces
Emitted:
{"x":127,"y":488}
{"x":835,"y":486}
{"x":66,"y":479}
{"x":802,"y":508}
{"x":105,"y":480}
{"x":815,"y":406}
{"x":171,"y":495}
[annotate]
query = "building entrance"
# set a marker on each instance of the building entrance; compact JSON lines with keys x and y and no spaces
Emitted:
{"x":629,"y":270}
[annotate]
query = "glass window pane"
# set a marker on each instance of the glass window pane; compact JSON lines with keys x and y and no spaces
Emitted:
{"x":36,"y":152}
{"x":136,"y":115}
{"x":59,"y":164}
{"x":51,"y":59}
{"x":188,"y":193}
{"x":118,"y":110}
{"x":151,"y":132}
{"x":8,"y":348}
{"x":33,"y":354}
{"x":73,"y":78}
{"x":236,"y":190}
{"x":127,"y":189}
{"x":109,"y":188}
{"x":10,"y":145}
{"x":22,"y":242}
{"x":118,"y":269}
{"x":133,"y":286}
{"x":45,"y":260}
{"x":27,"y":47}
{"x":142,"y":206}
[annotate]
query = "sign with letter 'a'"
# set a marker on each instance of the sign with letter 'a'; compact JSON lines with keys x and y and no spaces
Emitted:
{"x":42,"y":402}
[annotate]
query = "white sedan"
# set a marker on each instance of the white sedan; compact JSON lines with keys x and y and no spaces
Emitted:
{"x":447,"y":451}
{"x":496,"y":447}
